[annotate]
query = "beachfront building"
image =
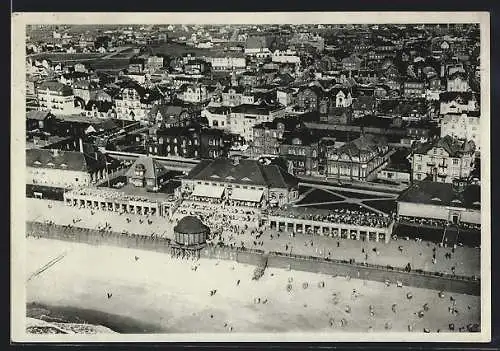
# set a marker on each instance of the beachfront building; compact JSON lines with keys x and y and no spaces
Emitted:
{"x":241,"y":183}
{"x":147,"y":173}
{"x":190,"y":237}
{"x":322,"y":222}
{"x":141,"y":193}
{"x":451,"y":210}
{"x":67,"y":169}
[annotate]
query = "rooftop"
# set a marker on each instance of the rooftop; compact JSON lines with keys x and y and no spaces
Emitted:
{"x":442,"y":194}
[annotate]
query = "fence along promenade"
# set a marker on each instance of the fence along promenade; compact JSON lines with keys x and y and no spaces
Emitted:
{"x":380,"y":273}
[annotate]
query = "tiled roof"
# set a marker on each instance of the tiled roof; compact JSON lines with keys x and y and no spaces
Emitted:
{"x":434,"y":193}
{"x":56,"y":86}
{"x":152,"y":168}
{"x":102,"y":106}
{"x":453,"y":147}
{"x":65,"y":160}
{"x":253,"y":171}
{"x":38,"y":115}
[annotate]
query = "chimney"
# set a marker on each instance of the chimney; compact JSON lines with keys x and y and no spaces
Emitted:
{"x":81,"y":144}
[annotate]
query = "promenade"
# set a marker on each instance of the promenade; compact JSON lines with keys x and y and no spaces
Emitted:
{"x":397,"y":253}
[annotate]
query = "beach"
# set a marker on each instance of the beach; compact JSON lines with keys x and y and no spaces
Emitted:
{"x":153,"y":292}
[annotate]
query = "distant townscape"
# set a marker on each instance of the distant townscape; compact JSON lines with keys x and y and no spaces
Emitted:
{"x":287,"y":151}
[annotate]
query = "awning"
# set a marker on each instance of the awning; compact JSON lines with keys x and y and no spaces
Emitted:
{"x":250,"y":195}
{"x":208,"y":191}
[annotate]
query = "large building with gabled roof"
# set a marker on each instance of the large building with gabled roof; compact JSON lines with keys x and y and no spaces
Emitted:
{"x":443,"y":160}
{"x":67,"y":169}
{"x":359,"y":159}
{"x":241,"y":180}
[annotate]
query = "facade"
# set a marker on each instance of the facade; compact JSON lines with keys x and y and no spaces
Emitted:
{"x":227,"y":62}
{"x":462,"y":126}
{"x":457,"y":82}
{"x":134,"y":102}
{"x":232,"y":96}
{"x":443,"y":160}
{"x":194,"y":93}
{"x":301,"y":151}
{"x":457,"y":102}
{"x":66,"y":169}
{"x":187,"y":142}
{"x":218,"y":117}
{"x":84,"y":89}
{"x":351,"y":63}
{"x":246,"y":181}
{"x":414,"y":89}
{"x":455,"y":203}
{"x":146,"y":173}
{"x":57,"y":98}
{"x":244,"y":117}
{"x":268,"y":136}
{"x":287,"y":56}
{"x":359,"y":159}
{"x":153,"y":64}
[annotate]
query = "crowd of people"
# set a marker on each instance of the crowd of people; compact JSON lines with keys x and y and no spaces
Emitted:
{"x":340,"y":216}
{"x":441,"y":223}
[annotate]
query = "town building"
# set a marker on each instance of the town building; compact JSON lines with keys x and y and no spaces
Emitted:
{"x":169,"y":115}
{"x":232,"y":95}
{"x":457,"y":102}
{"x":194,"y":93}
{"x":351,"y":63}
{"x":268,"y":136}
{"x":133,"y":102}
{"x":153,"y":64}
{"x":187,"y":142}
{"x":227,"y":61}
{"x":457,"y":82}
{"x":414,"y":89}
{"x":288,"y":56}
{"x":462,"y":126}
{"x":244,"y":117}
{"x":57,"y":98}
{"x":443,"y":160}
{"x":41,"y":120}
{"x":359,"y":159}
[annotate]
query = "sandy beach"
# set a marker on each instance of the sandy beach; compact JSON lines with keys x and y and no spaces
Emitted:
{"x":168,"y":295}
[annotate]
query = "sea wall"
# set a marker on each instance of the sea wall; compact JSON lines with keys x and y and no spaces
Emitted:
{"x":378,"y":273}
{"x":429,"y":280}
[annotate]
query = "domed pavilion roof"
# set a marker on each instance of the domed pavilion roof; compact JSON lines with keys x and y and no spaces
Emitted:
{"x":190,"y":225}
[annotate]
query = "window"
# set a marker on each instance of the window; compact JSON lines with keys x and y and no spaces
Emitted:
{"x":455,"y":161}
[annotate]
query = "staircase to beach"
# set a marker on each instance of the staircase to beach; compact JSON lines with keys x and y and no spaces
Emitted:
{"x":261,"y":267}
